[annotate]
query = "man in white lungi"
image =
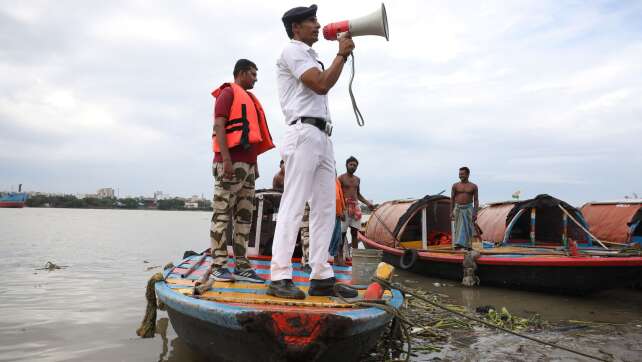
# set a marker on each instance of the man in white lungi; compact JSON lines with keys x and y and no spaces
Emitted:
{"x":303,"y":83}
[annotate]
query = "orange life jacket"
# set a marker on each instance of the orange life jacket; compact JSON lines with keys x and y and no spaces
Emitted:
{"x":340,"y":201}
{"x":246,"y":123}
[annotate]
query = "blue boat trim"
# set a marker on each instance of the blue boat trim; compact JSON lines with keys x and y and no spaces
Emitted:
{"x":224,"y":315}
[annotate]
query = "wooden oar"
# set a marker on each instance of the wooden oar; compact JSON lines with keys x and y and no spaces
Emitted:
{"x":194,"y":266}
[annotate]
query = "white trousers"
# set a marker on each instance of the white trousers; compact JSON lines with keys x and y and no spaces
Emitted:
{"x":309,"y":176}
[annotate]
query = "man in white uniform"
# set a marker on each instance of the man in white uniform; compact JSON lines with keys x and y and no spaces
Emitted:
{"x":308,"y":154}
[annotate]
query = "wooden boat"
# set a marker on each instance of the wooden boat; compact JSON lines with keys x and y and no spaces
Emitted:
{"x":238,"y":321}
{"x":617,"y":221}
{"x":541,"y":257}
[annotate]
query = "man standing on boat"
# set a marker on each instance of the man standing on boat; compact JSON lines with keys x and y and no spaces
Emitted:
{"x":350,"y":184}
{"x":463,"y":210}
{"x":240,"y":135}
{"x":308,"y":154}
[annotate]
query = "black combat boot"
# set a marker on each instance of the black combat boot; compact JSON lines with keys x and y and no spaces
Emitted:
{"x":285,"y":288}
{"x":325,"y":287}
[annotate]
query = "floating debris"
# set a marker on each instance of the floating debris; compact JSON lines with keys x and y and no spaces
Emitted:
{"x":433,"y":328}
{"x":52,"y":266}
{"x":503,"y":318}
{"x":152,"y":267}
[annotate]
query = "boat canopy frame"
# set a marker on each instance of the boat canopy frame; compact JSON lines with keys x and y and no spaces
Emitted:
{"x":544,"y":201}
{"x":398,"y":226}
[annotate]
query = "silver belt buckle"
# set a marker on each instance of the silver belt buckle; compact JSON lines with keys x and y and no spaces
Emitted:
{"x":328,"y":128}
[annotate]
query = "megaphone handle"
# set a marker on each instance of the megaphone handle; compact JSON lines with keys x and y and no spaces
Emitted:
{"x":357,"y":112}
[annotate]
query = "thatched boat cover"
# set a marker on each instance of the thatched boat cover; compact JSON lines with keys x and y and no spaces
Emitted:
{"x":614,"y":221}
{"x":495,"y":220}
{"x":400,"y":220}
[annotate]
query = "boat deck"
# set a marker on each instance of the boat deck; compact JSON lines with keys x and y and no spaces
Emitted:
{"x":246,"y":294}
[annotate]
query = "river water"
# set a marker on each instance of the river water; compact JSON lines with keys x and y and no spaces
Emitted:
{"x":89,"y":311}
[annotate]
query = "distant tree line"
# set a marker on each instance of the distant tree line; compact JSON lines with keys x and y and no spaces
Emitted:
{"x":71,"y":201}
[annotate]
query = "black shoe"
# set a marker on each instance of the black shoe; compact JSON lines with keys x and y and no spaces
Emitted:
{"x":306,"y":268}
{"x":248,"y":275}
{"x":222,"y":275}
{"x":325,"y":287}
{"x":285,"y":289}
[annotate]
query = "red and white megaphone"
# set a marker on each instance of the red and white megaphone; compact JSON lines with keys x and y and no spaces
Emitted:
{"x":372,"y":24}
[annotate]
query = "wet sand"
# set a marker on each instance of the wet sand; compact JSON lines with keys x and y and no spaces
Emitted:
{"x":90,"y":310}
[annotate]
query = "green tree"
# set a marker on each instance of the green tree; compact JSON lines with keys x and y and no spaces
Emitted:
{"x":128,"y":203}
{"x":171,"y":204}
{"x":37,"y":201}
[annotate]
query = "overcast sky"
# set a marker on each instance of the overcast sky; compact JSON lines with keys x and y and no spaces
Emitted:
{"x":537,"y":96}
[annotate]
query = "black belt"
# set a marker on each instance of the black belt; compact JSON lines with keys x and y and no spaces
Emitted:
{"x":320,"y":123}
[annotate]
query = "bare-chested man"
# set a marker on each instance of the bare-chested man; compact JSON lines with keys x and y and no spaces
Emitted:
{"x":463,"y":210}
{"x":350,"y":185}
{"x":279,"y":179}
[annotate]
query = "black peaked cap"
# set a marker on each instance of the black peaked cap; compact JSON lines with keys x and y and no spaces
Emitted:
{"x":299,"y":13}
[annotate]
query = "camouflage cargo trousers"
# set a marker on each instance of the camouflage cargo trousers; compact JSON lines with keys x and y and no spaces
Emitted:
{"x":232,"y":196}
{"x":305,"y":235}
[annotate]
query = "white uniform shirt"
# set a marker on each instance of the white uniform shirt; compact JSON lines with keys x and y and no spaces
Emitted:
{"x":297,"y":100}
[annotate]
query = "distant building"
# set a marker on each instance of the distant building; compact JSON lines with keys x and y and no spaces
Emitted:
{"x":191,"y":205}
{"x":196,"y":198}
{"x":105,"y":193}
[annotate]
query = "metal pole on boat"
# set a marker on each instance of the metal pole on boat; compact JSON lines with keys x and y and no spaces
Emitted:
{"x":564,"y":230}
{"x":254,"y":250}
{"x":424,"y":230}
{"x":194,"y":266}
{"x":533,"y":219}
{"x":582,"y":227}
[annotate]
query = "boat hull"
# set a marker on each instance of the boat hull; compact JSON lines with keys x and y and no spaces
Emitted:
{"x":13,"y":199}
{"x":246,"y":324}
{"x":566,"y":275}
{"x":258,"y":340}
{"x":12,"y":204}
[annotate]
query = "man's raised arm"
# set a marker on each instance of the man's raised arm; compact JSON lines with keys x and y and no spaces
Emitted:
{"x":321,"y":81}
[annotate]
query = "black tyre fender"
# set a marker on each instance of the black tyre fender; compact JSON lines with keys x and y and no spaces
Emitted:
{"x":408,"y":259}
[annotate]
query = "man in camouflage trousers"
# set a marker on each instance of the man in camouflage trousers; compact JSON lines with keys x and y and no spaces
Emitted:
{"x":235,"y":198}
{"x":235,"y":171}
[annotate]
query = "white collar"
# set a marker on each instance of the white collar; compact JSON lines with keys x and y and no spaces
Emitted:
{"x":303,"y":45}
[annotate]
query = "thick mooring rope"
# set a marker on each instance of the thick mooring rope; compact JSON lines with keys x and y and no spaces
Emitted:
{"x":400,"y":318}
{"x":148,"y":325}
